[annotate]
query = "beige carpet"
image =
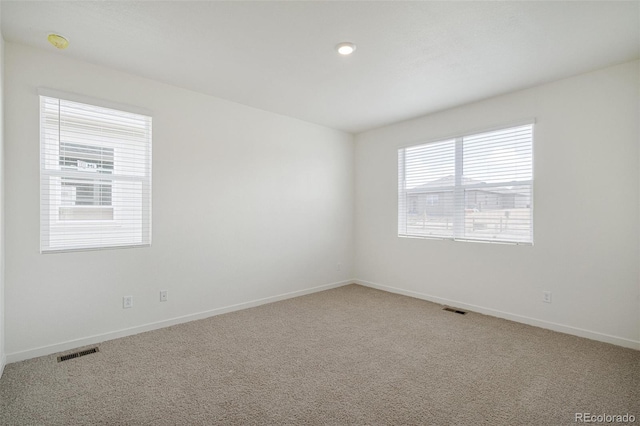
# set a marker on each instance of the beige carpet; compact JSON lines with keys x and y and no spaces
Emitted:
{"x":351,"y":355}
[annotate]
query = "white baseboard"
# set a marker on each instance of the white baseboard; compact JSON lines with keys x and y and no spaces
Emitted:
{"x":3,"y":362}
{"x":593,"y":335}
{"x":92,"y":340}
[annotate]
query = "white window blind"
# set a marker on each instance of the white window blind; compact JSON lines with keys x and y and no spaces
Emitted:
{"x":95,"y":177}
{"x":475,"y":187}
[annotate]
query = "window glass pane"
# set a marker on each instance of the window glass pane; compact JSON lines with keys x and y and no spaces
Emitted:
{"x":85,"y":192}
{"x":498,"y":156}
{"x":430,"y":213}
{"x":86,"y":158}
{"x":431,"y":165}
{"x":500,"y":213}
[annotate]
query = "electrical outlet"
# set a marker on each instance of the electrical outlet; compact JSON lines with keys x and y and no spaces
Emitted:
{"x":164,"y":295}
{"x":339,"y":267}
{"x":546,"y":296}
{"x":127,"y":302}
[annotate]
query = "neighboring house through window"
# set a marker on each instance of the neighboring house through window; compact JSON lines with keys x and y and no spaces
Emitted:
{"x":81,"y":198}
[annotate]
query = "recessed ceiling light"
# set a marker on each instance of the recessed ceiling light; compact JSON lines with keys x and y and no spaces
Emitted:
{"x":58,"y":41}
{"x":346,"y":48}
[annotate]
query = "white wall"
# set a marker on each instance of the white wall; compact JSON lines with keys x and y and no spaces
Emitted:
{"x":247,"y":205}
{"x":586,"y":214}
{"x":2,"y":304}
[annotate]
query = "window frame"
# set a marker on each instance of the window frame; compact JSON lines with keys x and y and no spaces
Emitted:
{"x":49,"y":220}
{"x":458,"y":187}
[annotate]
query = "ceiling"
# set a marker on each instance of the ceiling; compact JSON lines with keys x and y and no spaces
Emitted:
{"x":412,"y":58}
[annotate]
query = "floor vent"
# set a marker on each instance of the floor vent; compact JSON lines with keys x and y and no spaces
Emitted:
{"x":457,"y":311}
{"x":78,"y":354}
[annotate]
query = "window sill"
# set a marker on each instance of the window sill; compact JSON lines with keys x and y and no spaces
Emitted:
{"x":469,"y":240}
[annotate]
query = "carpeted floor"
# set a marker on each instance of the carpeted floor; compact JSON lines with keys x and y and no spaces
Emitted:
{"x":350,"y":355}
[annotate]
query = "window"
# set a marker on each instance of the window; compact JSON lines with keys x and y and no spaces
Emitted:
{"x":476,"y":187}
{"x":95,"y":176}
